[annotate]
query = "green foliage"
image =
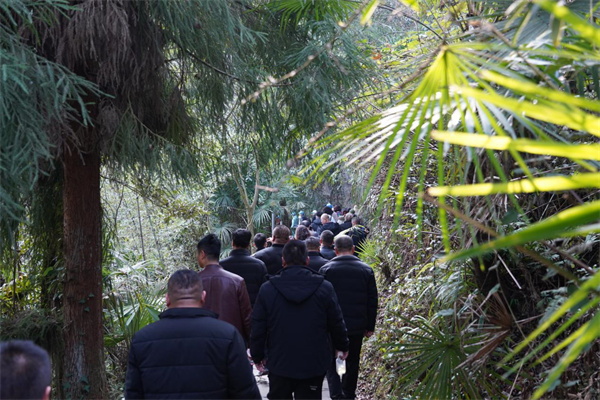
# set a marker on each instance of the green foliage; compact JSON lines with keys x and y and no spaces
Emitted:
{"x":504,"y":84}
{"x":436,"y":350}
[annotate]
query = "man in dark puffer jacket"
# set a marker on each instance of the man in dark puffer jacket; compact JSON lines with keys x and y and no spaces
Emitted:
{"x":188,"y":353}
{"x":295,"y":315}
{"x":355,"y":286}
{"x":241,"y":263}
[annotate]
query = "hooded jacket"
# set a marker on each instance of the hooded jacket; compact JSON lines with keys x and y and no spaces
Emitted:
{"x":295,"y":315}
{"x":189,"y":354}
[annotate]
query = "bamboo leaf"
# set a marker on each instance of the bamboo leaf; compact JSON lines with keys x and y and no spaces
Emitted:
{"x":562,"y":12}
{"x":529,"y":88}
{"x":545,"y":184}
{"x":549,"y":228}
{"x":551,"y":112}
{"x":573,"y":151}
{"x":591,"y":333}
{"x":368,"y":12}
{"x":579,"y":295}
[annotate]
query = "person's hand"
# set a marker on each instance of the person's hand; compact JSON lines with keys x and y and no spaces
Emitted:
{"x":341,"y":354}
{"x":368,"y":333}
{"x":261,"y":367}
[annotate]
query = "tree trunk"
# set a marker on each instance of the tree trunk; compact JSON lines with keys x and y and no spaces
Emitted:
{"x":84,"y":371}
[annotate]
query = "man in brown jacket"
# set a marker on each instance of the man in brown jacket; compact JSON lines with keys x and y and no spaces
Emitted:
{"x":226,"y":293}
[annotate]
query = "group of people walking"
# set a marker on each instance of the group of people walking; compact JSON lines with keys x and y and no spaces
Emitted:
{"x":293,"y":307}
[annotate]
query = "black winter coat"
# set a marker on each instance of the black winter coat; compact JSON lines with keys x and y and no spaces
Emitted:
{"x":354,"y":283}
{"x":327,"y":252}
{"x":316,"y":261}
{"x":295,"y":315}
{"x":334,"y":227}
{"x":189,"y":354}
{"x":251,"y":269}
{"x":271,"y":256}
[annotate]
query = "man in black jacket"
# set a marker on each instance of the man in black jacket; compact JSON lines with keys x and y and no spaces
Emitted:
{"x":188,"y":353}
{"x":328,"y":225}
{"x":241,"y":263}
{"x":271,"y":256}
{"x":315,"y":260}
{"x":295,"y":315}
{"x":327,"y":250}
{"x":355,"y":286}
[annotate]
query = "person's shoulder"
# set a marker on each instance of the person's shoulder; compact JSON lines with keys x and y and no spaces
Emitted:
{"x":230,"y":275}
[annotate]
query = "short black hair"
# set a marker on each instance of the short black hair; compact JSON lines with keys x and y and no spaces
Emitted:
{"x":24,"y":370}
{"x":211,"y":245}
{"x":327,"y":237}
{"x":306,"y":223}
{"x":327,"y":210}
{"x":185,"y":284}
{"x":260,"y":239}
{"x":241,"y":238}
{"x":302,"y":233}
{"x":312,"y":243}
{"x":295,"y":252}
{"x":343,"y":243}
{"x":337,"y":208}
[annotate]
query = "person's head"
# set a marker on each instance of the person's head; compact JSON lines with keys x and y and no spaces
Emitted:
{"x":295,"y":253}
{"x":348,"y":217}
{"x":327,"y":209}
{"x":281,"y":234}
{"x":301,"y":213}
{"x":185,"y":290}
{"x":241,"y":238}
{"x":356,"y":221}
{"x":337,"y":208}
{"x":302,"y":233}
{"x":325,"y":218}
{"x":24,"y":371}
{"x":344,"y":245}
{"x":260,"y":239}
{"x":312,"y":243}
{"x":306,"y":223}
{"x":327,"y":238}
{"x":209,"y":249}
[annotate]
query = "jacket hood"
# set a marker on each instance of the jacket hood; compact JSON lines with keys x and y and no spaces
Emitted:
{"x":296,"y":283}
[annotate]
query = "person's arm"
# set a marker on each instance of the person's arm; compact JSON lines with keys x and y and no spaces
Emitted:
{"x":133,"y":380}
{"x":258,"y":335}
{"x":371,"y":302}
{"x":245,"y":310}
{"x":241,"y":383}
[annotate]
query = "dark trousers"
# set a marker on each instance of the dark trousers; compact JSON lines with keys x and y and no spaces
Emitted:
{"x":345,"y":388}
{"x":281,"y":387}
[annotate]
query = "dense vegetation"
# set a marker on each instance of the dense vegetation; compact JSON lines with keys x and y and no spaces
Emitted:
{"x":466,"y":131}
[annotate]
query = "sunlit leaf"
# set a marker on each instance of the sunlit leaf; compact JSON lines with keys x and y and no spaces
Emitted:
{"x":549,"y":228}
{"x":545,"y":184}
